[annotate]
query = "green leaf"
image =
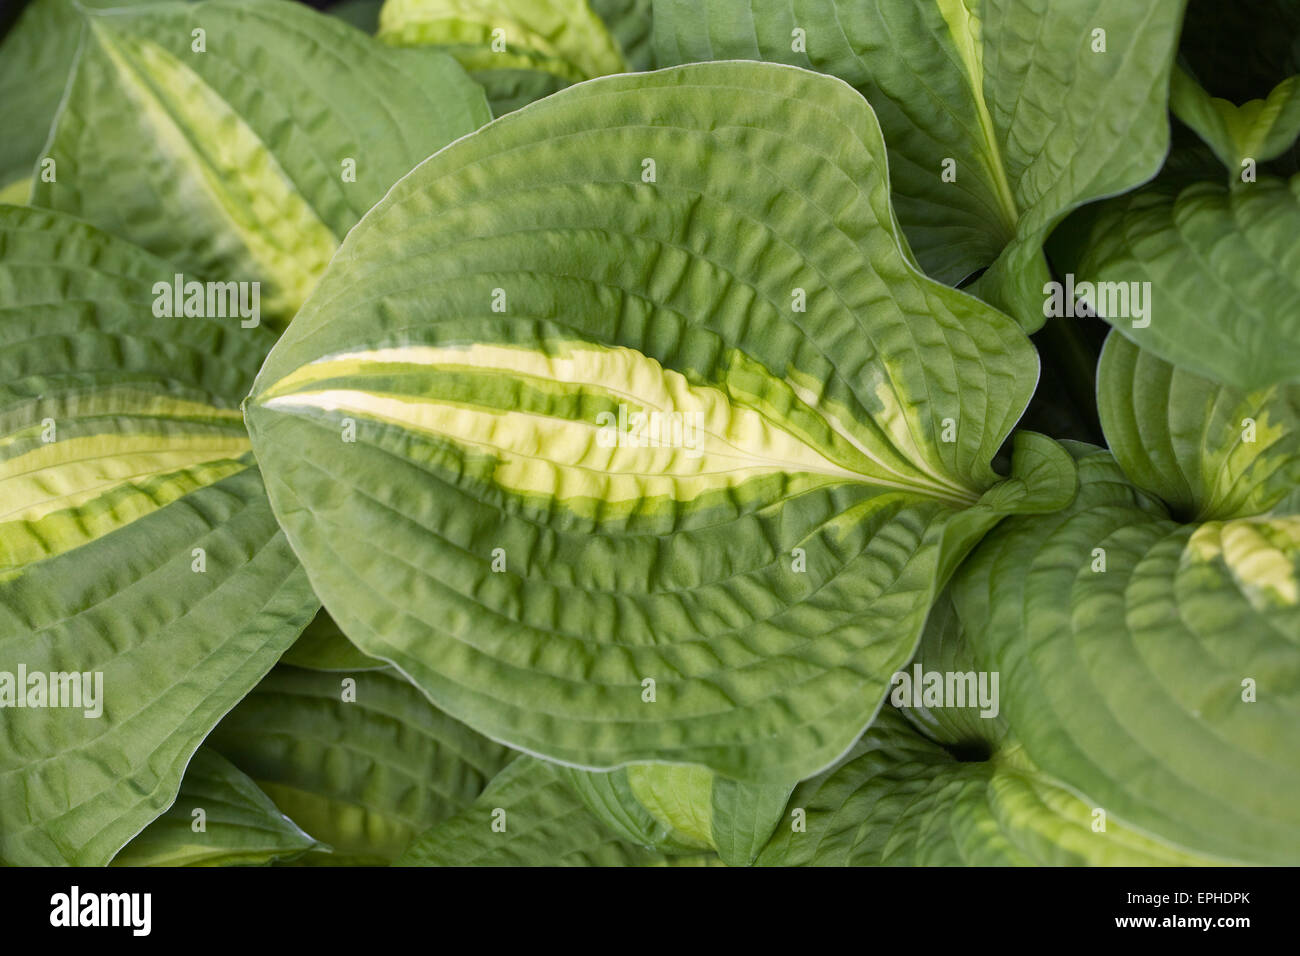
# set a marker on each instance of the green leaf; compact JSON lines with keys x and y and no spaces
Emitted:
{"x":900,"y":800}
{"x":679,"y":809}
{"x":324,"y":647}
{"x":1224,"y":274}
{"x":744,"y":816}
{"x":240,"y":824}
{"x":232,"y":163}
{"x":522,"y":50}
{"x":363,"y":766}
{"x":945,"y":649}
{"x":1012,"y":91}
{"x":136,"y":541}
{"x":1154,"y":666}
{"x":609,"y":797}
{"x":1211,"y":452}
{"x":1256,"y":131}
{"x":529,"y":816}
{"x":35,"y":61}
{"x":632,"y":24}
{"x":546,"y":568}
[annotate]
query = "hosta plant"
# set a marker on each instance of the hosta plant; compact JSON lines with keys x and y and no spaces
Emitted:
{"x":713,"y":459}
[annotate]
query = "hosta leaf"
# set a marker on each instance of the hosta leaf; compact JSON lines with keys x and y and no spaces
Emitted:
{"x":240,"y":826}
{"x":522,"y":50}
{"x":744,"y":816}
{"x":632,"y":24}
{"x":1036,"y":122}
{"x":1150,"y":665}
{"x":1208,"y":450}
{"x":35,"y":61}
{"x":901,"y":800}
{"x":324,"y":647}
{"x":966,"y":728}
{"x":233,"y":163}
{"x":1224,"y":274}
{"x":1257,"y":130}
{"x":136,"y":541}
{"x":489,"y":531}
{"x":364,"y":767}
{"x":609,"y":797}
{"x":683,"y":809}
{"x":529,"y":816}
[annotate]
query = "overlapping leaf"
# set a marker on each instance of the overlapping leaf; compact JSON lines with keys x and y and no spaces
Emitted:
{"x":528,"y":560}
{"x":220,"y":818}
{"x":35,"y":63}
{"x":363,"y":766}
{"x":901,"y":800}
{"x":683,"y":809}
{"x":967,"y":726}
{"x":529,"y":816}
{"x":1012,"y":96}
{"x":523,"y":50}
{"x":1151,"y":665}
{"x":1256,"y":131}
{"x":1223,"y":270}
{"x":324,"y":647}
{"x":241,"y":139}
{"x":1209,"y":451}
{"x":136,"y":541}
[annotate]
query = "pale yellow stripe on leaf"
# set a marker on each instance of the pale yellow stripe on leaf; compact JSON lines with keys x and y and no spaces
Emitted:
{"x":25,"y":542}
{"x":565,"y":32}
{"x":732,"y":436}
{"x":287,"y":242}
{"x":735,"y":440}
{"x":966,"y":30}
{"x":72,"y":472}
{"x":1262,"y":554}
{"x":565,"y":460}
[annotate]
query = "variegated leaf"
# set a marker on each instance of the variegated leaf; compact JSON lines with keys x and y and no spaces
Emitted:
{"x":241,"y":139}
{"x":137,"y":547}
{"x":621,"y":467}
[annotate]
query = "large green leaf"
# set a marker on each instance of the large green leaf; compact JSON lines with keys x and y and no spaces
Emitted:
{"x":361,"y":761}
{"x":220,"y":818}
{"x":233,"y":163}
{"x":136,"y":541}
{"x":1151,"y":665}
{"x":683,"y":809}
{"x":1012,"y":91}
{"x":769,"y":578}
{"x":523,"y":50}
{"x":529,"y":816}
{"x":901,"y":800}
{"x":1224,"y":273}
